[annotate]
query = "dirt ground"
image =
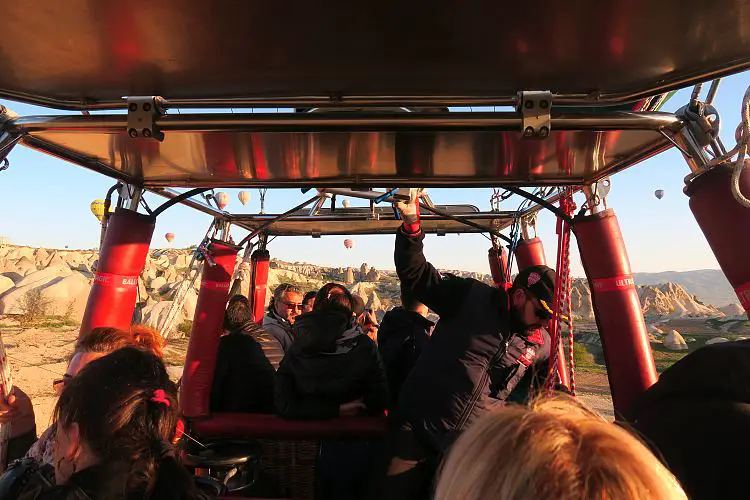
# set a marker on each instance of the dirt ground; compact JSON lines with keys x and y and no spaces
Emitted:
{"x":593,"y":390}
{"x":40,"y":355}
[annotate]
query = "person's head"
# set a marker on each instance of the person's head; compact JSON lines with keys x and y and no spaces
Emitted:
{"x":554,"y":449}
{"x":120,"y":413}
{"x":409,"y":303}
{"x":532,"y":296}
{"x":101,"y":341}
{"x":308,"y":302}
{"x":359,"y":306}
{"x":286,"y":302}
{"x":238,"y":314}
{"x":333,"y":315}
{"x":365,"y":318}
{"x":335,"y":297}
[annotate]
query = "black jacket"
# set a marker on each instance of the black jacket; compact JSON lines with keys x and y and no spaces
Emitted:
{"x":28,"y":480}
{"x":246,"y":365}
{"x":475,"y":355}
{"x":697,"y":419}
{"x":331,"y":362}
{"x":402,"y":336}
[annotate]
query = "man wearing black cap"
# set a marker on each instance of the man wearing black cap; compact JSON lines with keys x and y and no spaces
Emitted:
{"x":483,"y":344}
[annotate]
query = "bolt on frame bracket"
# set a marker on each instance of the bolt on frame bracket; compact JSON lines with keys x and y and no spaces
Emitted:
{"x":142,"y":114}
{"x":534,"y":106}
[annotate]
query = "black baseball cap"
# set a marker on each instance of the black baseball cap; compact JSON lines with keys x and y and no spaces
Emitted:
{"x":540,"y":282}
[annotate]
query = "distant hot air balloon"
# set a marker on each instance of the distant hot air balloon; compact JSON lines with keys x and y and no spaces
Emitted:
{"x":349,"y":244}
{"x":345,"y":203}
{"x":659,"y":193}
{"x":169,"y":237}
{"x":244,"y":197}
{"x":97,"y":208}
{"x":222,"y":200}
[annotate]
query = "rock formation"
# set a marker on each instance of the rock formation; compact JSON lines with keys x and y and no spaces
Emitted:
{"x":733,"y":311}
{"x":372,"y":275}
{"x":349,"y":276}
{"x":667,"y":300}
{"x":64,"y":278}
{"x":716,"y":340}
{"x":675,"y":342}
{"x":671,"y":300}
{"x":581,"y":300}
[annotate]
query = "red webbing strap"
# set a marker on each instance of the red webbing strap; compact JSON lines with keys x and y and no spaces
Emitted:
{"x":562,"y":301}
{"x":569,"y":309}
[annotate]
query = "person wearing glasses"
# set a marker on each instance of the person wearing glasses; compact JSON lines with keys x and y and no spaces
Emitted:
{"x":486,"y":339}
{"x":283,"y":309}
{"x":97,"y":343}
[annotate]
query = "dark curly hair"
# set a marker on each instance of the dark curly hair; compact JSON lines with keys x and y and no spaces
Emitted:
{"x":125,"y":406}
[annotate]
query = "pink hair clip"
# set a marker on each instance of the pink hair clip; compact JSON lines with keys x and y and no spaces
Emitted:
{"x":160,"y":397}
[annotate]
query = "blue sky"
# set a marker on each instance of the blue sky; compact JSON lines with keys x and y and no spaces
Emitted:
{"x":45,"y":202}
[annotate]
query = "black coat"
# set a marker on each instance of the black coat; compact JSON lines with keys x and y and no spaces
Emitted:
{"x":402,"y":336}
{"x":475,"y":356}
{"x":245,"y":373}
{"x":28,"y":480}
{"x":331,"y":362}
{"x":697,"y":419}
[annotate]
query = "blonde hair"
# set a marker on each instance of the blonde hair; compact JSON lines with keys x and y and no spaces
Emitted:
{"x":557,"y":448}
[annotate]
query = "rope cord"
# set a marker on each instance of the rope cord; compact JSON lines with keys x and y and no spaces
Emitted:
{"x":742,"y":136}
{"x":569,"y":310}
{"x":191,"y":274}
{"x":562,"y":304}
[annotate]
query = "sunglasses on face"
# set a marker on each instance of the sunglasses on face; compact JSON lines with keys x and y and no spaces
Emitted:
{"x":542,"y":313}
{"x":59,"y":383}
{"x":539,"y":310}
{"x":292,"y":305}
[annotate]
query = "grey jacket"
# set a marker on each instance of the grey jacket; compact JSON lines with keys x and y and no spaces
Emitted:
{"x":279,"y":328}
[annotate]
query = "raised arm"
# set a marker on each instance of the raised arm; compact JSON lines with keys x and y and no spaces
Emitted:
{"x":442,"y":294}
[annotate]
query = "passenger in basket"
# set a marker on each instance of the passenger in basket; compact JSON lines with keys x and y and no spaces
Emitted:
{"x":285,"y":306}
{"x":366,"y":319}
{"x":246,"y":363}
{"x":99,"y":342}
{"x":403,"y":335}
{"x":554,"y":449}
{"x":115,"y":424}
{"x":308,"y":302}
{"x":331,"y":369}
{"x":697,"y":418}
{"x":483,"y":344}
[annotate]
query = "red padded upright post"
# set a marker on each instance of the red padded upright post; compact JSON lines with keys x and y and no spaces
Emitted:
{"x":121,"y":259}
{"x":498,"y":265}
{"x":530,"y":253}
{"x":627,"y":352}
{"x":726,"y":225}
{"x":260,"y":261}
{"x":198,"y":374}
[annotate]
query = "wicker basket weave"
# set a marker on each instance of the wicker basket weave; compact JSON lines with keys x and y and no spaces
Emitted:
{"x":291,"y":463}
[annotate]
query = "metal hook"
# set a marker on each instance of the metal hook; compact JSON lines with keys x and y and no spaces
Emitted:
{"x":262,"y":192}
{"x":4,"y":164}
